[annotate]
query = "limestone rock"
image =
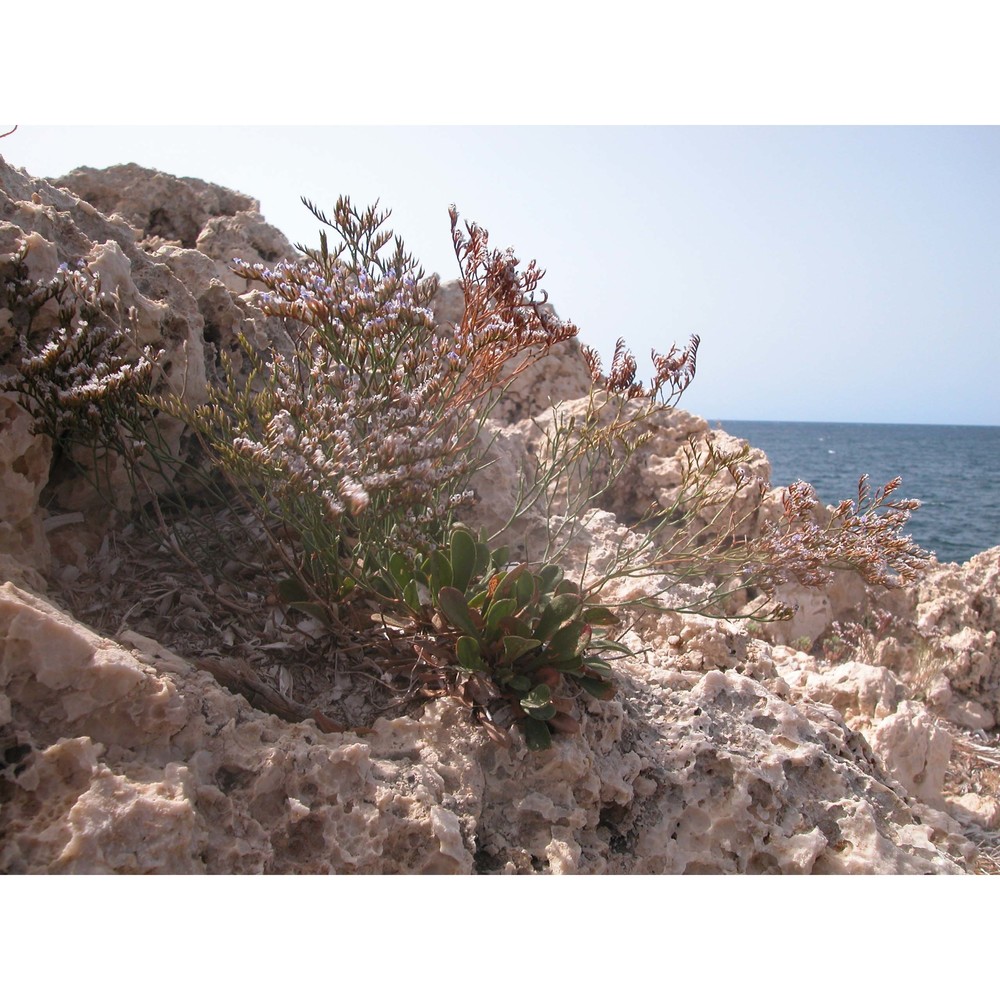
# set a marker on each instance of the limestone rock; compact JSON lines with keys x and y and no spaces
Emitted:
{"x":245,"y":235}
{"x":916,"y":750}
{"x":182,"y":297}
{"x":59,"y":228}
{"x":24,"y":470}
{"x":154,"y":203}
{"x":945,"y":643}
{"x":958,"y":616}
{"x":953,"y":596}
{"x":859,"y":691}
{"x":979,"y":810}
{"x":652,"y":476}
{"x":134,"y":761}
{"x":842,"y":599}
{"x":141,"y":763}
{"x":914,"y":747}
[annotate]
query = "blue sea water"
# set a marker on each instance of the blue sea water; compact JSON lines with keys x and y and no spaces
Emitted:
{"x":953,"y":471}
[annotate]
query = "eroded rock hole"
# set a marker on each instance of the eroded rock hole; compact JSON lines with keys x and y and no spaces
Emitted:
{"x":159,"y":224}
{"x":14,"y":758}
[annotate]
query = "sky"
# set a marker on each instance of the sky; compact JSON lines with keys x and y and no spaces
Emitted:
{"x":832,"y":273}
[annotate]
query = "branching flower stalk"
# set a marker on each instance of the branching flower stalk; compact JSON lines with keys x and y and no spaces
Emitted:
{"x":77,"y":369}
{"x":864,"y":535}
{"x":79,"y":380}
{"x":580,"y":458}
{"x":361,"y":441}
{"x":712,"y":534}
{"x":78,"y":372}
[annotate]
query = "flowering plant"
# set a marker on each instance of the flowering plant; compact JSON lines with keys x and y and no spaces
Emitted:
{"x":353,"y":447}
{"x":361,"y":440}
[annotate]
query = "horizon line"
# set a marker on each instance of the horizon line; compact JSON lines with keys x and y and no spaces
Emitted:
{"x":851,"y":423}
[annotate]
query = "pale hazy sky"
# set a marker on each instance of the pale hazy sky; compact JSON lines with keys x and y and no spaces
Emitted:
{"x":833,"y":273}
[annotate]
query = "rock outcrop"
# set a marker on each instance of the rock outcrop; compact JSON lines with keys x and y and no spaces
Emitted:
{"x":124,"y":758}
{"x":724,"y":750}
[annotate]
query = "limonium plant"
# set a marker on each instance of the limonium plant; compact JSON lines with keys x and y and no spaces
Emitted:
{"x":354,"y":449}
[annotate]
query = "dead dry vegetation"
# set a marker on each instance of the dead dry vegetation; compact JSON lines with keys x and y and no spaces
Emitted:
{"x":235,"y":627}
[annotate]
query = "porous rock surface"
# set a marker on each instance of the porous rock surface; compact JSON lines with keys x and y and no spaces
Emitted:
{"x":154,"y":203}
{"x":722,"y":751}
{"x":132,"y":760}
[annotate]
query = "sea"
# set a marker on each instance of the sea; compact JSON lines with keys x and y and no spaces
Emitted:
{"x":953,"y":471}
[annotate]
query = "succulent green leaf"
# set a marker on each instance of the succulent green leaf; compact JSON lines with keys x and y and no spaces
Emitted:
{"x":543,"y":712}
{"x":550,"y":577}
{"x":498,"y":610}
{"x":612,"y":647}
{"x":455,"y":608}
{"x":400,"y":570}
{"x":463,"y":559}
{"x":600,"y":615}
{"x":536,"y":734}
{"x":567,"y":587}
{"x":493,"y":584}
{"x":569,"y":641}
{"x":482,"y":559}
{"x":573,"y":666}
{"x":558,"y":612}
{"x":600,"y":689}
{"x":507,"y":588}
{"x":540,"y":696}
{"x":519,"y":682}
{"x":500,"y":557}
{"x":412,"y":596}
{"x":440,"y":571}
{"x":514,"y":626}
{"x":515,"y":646}
{"x":596,"y":665}
{"x":468,"y":653}
{"x":526,"y":590}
